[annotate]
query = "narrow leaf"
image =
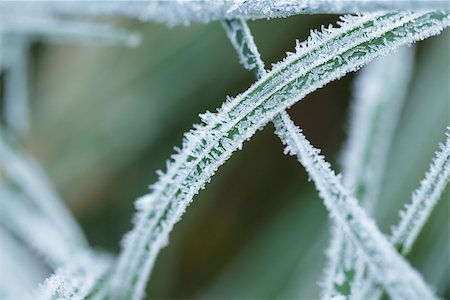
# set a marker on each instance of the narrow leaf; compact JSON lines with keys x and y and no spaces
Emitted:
{"x":184,"y":12}
{"x":383,"y":260}
{"x":380,"y":91}
{"x":417,"y":212}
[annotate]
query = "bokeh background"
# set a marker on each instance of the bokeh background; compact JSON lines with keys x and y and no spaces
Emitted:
{"x":105,"y":118}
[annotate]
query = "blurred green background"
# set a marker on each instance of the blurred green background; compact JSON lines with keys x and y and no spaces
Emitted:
{"x":105,"y":118}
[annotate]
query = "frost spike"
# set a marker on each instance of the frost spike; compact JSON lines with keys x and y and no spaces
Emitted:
{"x":376,"y":250}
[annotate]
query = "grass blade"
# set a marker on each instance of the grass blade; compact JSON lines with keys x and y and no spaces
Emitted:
{"x":376,"y":250}
{"x":184,"y":12}
{"x":324,"y":57}
{"x":416,"y":213}
{"x":242,"y":40}
{"x":379,"y":95}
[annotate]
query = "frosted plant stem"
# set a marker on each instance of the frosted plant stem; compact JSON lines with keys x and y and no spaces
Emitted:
{"x":244,"y":44}
{"x":390,"y":269}
{"x":184,"y":12}
{"x":242,"y":40}
{"x":322,"y":58}
{"x":380,"y":91}
{"x":417,"y":212}
{"x":25,"y":173}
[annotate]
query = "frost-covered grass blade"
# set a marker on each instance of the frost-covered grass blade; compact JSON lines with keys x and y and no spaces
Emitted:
{"x":380,"y":90}
{"x":324,"y":57}
{"x":399,"y":279}
{"x":417,"y":212}
{"x":184,"y":12}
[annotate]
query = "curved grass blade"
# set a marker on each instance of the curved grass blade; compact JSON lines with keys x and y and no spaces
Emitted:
{"x":380,"y":91}
{"x":324,"y":57}
{"x":184,"y":12}
{"x":399,"y":279}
